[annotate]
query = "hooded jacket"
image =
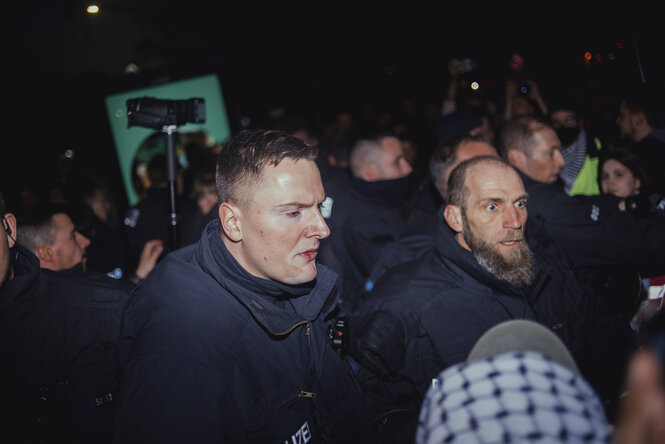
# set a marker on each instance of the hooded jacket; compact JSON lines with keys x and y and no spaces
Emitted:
{"x":363,"y":220}
{"x":214,"y":354}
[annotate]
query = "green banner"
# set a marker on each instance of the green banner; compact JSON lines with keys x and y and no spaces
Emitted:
{"x":135,"y":146}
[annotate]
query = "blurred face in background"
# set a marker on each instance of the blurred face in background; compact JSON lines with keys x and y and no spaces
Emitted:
{"x":625,"y":122}
{"x":69,"y":246}
{"x":206,"y":198}
{"x":618,"y":180}
{"x":544,"y":161}
{"x":393,"y":163}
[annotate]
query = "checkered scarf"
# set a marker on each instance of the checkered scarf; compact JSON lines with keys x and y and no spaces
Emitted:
{"x":514,"y":397}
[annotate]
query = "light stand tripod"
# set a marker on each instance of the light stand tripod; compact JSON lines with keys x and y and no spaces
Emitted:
{"x":171,"y":172}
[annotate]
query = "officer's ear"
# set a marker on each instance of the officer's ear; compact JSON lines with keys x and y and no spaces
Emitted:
{"x":370,"y":172}
{"x":9,"y":222}
{"x":517,"y":158}
{"x":46,"y":255}
{"x":638,"y":119}
{"x":230,"y":217}
{"x":453,"y":216}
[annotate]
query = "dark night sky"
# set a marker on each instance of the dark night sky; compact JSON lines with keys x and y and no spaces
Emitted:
{"x":314,"y":60}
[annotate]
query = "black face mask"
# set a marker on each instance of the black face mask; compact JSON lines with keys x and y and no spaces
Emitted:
{"x":567,"y":134}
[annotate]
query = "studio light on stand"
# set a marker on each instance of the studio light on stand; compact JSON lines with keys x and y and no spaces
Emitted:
{"x":167,"y":116}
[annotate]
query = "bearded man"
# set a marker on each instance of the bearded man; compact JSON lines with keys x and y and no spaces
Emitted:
{"x":425,"y":315}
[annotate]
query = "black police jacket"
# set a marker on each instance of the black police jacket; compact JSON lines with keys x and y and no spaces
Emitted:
{"x":594,"y":232}
{"x":369,"y":216}
{"x":213,"y":354}
{"x":444,"y":301}
{"x":60,"y":334}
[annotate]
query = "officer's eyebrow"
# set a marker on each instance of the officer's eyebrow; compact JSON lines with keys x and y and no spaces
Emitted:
{"x":301,"y":204}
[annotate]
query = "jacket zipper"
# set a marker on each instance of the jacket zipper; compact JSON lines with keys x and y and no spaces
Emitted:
{"x":303,"y":393}
{"x":292,"y":328}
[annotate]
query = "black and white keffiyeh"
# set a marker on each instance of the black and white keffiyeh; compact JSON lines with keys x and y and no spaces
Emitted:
{"x":514,"y":397}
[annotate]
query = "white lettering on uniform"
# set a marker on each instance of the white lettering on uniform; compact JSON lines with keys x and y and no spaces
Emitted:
{"x":326,"y":207}
{"x":302,"y":436}
{"x":595,"y":213}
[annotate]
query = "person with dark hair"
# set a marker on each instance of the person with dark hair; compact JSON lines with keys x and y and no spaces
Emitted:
{"x":227,"y":339}
{"x":580,"y":148}
{"x":641,"y":124}
{"x":150,"y":218}
{"x":602,"y":241}
{"x":50,"y":234}
{"x":60,"y":333}
{"x":621,"y":174}
{"x":204,"y":195}
{"x":425,"y":315}
{"x":109,"y":250}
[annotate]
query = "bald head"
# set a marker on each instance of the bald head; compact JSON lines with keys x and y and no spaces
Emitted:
{"x":449,"y":155}
{"x":457,"y":183}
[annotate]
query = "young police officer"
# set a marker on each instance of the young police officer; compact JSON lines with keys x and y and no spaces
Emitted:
{"x":227,"y":338}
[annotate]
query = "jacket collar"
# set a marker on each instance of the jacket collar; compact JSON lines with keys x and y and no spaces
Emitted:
{"x":18,"y":295}
{"x":390,"y":192}
{"x":278,"y":307}
{"x":456,"y":257}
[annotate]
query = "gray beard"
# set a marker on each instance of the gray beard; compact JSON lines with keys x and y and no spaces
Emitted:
{"x":517,"y":269}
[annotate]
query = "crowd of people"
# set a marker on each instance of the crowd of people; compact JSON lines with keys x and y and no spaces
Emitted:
{"x":485,"y":275}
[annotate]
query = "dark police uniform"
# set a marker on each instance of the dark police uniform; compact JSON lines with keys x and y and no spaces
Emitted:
{"x":609,"y":249}
{"x":60,"y":333}
{"x":214,"y":354}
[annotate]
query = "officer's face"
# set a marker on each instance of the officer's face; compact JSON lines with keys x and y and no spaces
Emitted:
{"x":545,"y":160}
{"x":69,"y":246}
{"x":282,"y":225}
{"x":393,"y":163}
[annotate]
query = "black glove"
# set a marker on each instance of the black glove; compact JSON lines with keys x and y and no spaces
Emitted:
{"x":376,"y":341}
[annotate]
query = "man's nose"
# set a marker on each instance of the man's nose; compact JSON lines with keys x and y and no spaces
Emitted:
{"x":511,"y":218}
{"x":82,"y":241}
{"x":318,"y":227}
{"x":559,"y":158}
{"x":405,"y":167}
